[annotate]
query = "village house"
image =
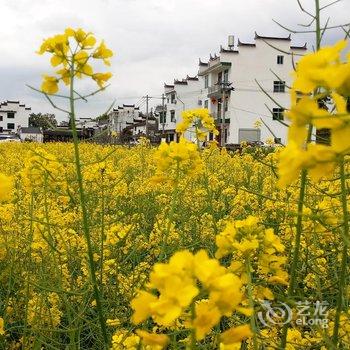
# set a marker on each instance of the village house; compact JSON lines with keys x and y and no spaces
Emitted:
{"x":123,"y":116}
{"x":179,"y":96}
{"x":13,"y":115}
{"x":227,"y":86}
{"x":32,"y":134}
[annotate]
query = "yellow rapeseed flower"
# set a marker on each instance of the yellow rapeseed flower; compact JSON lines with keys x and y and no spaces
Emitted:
{"x":49,"y":85}
{"x":72,"y":52}
{"x":236,"y":334}
{"x":322,"y":68}
{"x":2,"y":331}
{"x":6,"y":187}
{"x":152,"y":339}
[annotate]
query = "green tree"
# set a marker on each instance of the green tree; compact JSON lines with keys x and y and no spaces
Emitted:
{"x":45,"y":121}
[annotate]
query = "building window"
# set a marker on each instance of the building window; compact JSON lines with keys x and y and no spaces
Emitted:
{"x":1,"y":129}
{"x":200,"y":102}
{"x":249,"y":135}
{"x":211,"y":136}
{"x":206,"y":103}
{"x":172,"y":116}
{"x":10,"y":126}
{"x":226,"y":76}
{"x":278,"y":140}
{"x":220,"y":77}
{"x":171,"y":137}
{"x":206,"y":81}
{"x":279,"y":86}
{"x":1,"y":118}
{"x":162,"y":117}
{"x":173,"y":97}
{"x":280,"y":59}
{"x":10,"y":115}
{"x":277,"y":113}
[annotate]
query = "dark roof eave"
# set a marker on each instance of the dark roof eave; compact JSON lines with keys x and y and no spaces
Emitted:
{"x":188,"y":78}
{"x":203,"y":64}
{"x":179,"y":82}
{"x":240,"y":43}
{"x":257,"y":36}
{"x":294,"y":47}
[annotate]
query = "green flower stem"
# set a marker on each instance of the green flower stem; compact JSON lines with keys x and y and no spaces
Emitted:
{"x":193,"y":331}
{"x":86,"y":229}
{"x":251,"y":304}
{"x":296,"y":252}
{"x":318,"y":24}
{"x":343,"y":271}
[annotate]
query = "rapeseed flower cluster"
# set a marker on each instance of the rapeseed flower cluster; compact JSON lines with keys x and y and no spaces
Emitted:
{"x":199,"y":119}
{"x":228,"y":208}
{"x":6,"y":186}
{"x":179,"y":284}
{"x":320,"y":78}
{"x":175,"y":159}
{"x":71,"y":52}
{"x":247,"y":240}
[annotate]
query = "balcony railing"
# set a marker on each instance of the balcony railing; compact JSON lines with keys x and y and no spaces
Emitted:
{"x":214,"y":89}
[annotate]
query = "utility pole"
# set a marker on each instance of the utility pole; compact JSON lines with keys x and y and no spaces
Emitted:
{"x":163,"y":114}
{"x":223,"y":114}
{"x":225,"y":88}
{"x":147,"y":98}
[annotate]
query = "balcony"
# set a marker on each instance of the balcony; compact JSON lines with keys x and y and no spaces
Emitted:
{"x":215,"y":91}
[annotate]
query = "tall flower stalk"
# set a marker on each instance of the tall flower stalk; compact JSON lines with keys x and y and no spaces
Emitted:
{"x":344,"y":258}
{"x":72,"y":51}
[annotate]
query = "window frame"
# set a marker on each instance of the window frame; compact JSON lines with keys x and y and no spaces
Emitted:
{"x":279,"y":86}
{"x":172,"y":116}
{"x":280,"y":59}
{"x":8,"y":128}
{"x":206,"y":81}
{"x":225,"y":76}
{"x":278,"y":113}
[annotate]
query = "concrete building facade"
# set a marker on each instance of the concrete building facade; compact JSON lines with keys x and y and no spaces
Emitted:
{"x":13,"y":115}
{"x":227,"y":84}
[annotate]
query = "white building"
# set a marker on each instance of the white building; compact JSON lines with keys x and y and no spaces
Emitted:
{"x":231,"y":77}
{"x":31,"y":133}
{"x":86,"y":123}
{"x":123,"y":116}
{"x":13,"y":115}
{"x":181,"y":95}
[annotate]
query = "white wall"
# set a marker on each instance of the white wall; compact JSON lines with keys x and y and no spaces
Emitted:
{"x":121,"y":116}
{"x":248,"y":103}
{"x":21,"y":115}
{"x":187,"y":97}
{"x":32,"y":137}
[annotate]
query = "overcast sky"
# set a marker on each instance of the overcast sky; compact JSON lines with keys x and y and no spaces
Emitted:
{"x":154,"y":41}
